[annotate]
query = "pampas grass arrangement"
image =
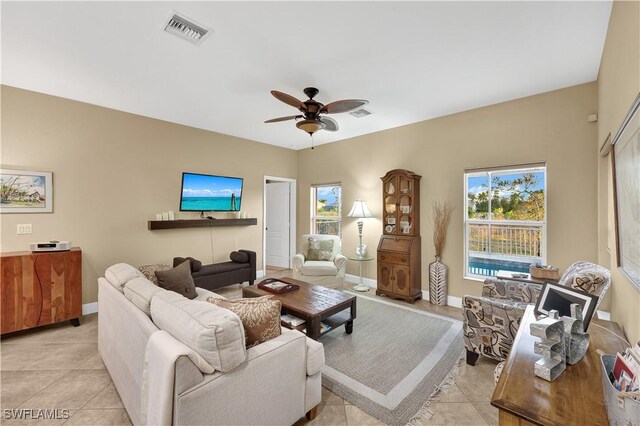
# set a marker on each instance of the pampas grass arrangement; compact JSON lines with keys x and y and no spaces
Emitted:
{"x":441,"y":218}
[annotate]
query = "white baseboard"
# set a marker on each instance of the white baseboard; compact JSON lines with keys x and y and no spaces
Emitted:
{"x":89,"y":308}
{"x":355,"y":279}
{"x":260,"y":274}
{"x":603,"y":315}
{"x":454,"y":301}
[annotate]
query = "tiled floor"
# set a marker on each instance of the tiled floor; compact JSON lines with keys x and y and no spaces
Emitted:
{"x":58,"y":367}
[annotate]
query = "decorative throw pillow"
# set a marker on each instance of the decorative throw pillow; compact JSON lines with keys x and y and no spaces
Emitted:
{"x":320,"y":249}
{"x":239,"y":257}
{"x":591,"y":282}
{"x":149,"y":271}
{"x":260,"y":317}
{"x":179,"y":280}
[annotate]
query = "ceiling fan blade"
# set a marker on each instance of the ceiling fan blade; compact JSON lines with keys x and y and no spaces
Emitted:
{"x":345,"y":105}
{"x":330,"y":124}
{"x":289,"y":100}
{"x":289,"y":117}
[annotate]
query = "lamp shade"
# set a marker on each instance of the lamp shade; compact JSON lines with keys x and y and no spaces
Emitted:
{"x":359,"y":209}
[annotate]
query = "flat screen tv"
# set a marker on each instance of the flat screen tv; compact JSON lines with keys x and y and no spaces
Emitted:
{"x":208,"y":193}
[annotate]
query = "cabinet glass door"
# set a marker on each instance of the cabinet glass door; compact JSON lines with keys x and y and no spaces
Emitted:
{"x":390,"y":223}
{"x":405,"y":206}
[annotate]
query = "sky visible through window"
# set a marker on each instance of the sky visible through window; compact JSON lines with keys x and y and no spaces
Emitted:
{"x":328,"y":193}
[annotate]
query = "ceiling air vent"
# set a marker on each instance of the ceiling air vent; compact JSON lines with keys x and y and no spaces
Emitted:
{"x":359,"y":113}
{"x":186,"y":28}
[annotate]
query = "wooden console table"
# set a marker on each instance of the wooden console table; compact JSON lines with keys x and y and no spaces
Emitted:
{"x":574,"y":398}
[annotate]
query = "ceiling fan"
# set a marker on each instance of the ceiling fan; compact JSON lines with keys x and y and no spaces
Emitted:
{"x":313,"y":112}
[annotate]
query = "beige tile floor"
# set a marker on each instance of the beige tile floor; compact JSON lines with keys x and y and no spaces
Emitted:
{"x":58,"y":367}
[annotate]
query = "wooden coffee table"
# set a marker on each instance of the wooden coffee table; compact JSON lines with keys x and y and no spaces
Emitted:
{"x":314,"y":304}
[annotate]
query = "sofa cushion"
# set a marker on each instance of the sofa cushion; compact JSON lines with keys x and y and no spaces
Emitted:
{"x":195,"y":264}
{"x":239,"y":257}
{"x":140,"y":291}
{"x":318,"y":249}
{"x":179,"y":280}
{"x":149,"y":271}
{"x":215,"y":333}
{"x":120,"y":274}
{"x":219,"y":268}
{"x":591,"y":282}
{"x":319,"y":269}
{"x":260,"y":317}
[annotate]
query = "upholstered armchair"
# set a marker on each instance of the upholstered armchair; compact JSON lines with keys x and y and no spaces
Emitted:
{"x":491,"y":321}
{"x":319,"y":261}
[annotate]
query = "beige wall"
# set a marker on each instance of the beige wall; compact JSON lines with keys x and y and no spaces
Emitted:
{"x":618,"y":85}
{"x":113,"y":171}
{"x":550,"y":127}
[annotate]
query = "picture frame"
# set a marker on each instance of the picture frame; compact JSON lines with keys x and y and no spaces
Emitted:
{"x":560,"y":297}
{"x":26,"y":191}
{"x":625,"y":160}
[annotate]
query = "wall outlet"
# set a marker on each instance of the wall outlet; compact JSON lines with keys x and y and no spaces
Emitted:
{"x":24,"y":229}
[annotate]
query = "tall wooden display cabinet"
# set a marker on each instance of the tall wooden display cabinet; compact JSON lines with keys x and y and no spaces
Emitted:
{"x":399,"y":268}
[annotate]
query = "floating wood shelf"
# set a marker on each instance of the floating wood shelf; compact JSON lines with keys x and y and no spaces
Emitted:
{"x":198,"y":223}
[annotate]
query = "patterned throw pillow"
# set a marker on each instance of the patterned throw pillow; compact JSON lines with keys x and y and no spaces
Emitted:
{"x":260,"y":317}
{"x":320,"y":249}
{"x":149,"y":271}
{"x":591,"y":282}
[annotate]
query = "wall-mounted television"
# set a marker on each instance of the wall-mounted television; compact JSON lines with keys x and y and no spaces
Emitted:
{"x":209,"y":193}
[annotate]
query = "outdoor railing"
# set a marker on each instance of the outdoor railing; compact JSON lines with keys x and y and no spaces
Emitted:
{"x":328,"y":227}
{"x":502,"y":239}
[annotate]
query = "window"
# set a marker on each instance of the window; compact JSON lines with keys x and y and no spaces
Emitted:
{"x":505,"y":220}
{"x":326,"y":209}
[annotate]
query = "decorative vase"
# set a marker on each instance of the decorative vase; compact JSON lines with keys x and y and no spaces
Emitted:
{"x":438,"y":282}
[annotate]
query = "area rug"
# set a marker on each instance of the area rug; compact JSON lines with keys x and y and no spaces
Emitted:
{"x":395,"y":360}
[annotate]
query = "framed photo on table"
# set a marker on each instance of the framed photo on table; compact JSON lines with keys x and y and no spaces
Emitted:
{"x":559,"y":297}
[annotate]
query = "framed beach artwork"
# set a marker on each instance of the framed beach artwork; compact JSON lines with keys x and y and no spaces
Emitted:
{"x":626,"y":186}
{"x":24,"y":191}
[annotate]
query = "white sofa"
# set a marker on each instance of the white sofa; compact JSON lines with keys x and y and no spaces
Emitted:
{"x":162,"y":379}
{"x":325,"y":273}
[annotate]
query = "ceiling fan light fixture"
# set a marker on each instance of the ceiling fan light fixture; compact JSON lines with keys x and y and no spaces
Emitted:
{"x":310,"y":126}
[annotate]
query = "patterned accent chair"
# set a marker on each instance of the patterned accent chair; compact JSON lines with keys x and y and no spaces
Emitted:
{"x":491,"y":321}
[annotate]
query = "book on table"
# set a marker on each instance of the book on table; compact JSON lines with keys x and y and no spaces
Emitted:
{"x":323,"y":328}
{"x":291,"y":320}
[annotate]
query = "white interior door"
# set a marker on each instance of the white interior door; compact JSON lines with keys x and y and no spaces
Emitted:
{"x":277,"y":224}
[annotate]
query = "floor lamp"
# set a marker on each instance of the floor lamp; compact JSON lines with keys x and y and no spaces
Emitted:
{"x":360,"y":211}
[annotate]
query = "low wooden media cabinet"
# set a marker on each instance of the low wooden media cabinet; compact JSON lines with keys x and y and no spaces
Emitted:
{"x":40,"y":288}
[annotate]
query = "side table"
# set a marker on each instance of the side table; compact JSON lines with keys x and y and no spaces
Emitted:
{"x":574,"y":398}
{"x":508,"y":275}
{"x":360,"y":287}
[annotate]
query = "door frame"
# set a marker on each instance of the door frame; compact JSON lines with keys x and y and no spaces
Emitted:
{"x":292,"y":218}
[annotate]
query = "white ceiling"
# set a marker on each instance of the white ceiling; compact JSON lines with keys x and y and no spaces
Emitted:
{"x":412,"y":60}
